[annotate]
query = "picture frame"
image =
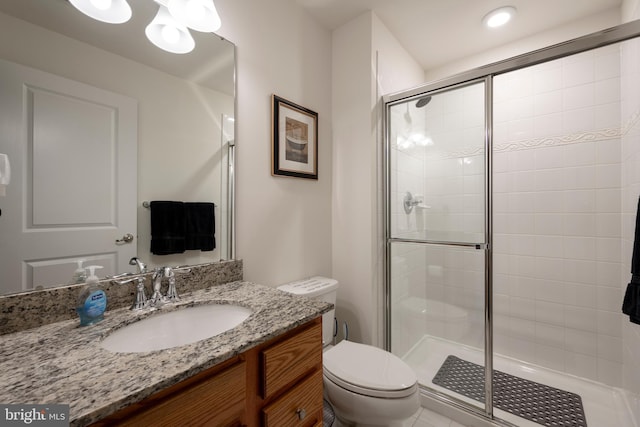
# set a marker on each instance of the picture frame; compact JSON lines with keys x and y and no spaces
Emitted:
{"x":294,"y":140}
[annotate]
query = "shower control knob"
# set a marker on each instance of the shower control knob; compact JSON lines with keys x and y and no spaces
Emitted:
{"x":301,"y":414}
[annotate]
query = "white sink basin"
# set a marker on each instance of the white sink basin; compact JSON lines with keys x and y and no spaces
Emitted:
{"x":176,"y":328}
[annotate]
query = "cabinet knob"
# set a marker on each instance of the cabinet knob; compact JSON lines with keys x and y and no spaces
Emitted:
{"x":301,"y":413}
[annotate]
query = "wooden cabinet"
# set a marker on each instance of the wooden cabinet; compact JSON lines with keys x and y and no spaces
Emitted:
{"x":299,"y":406}
{"x":278,"y":383}
{"x":215,"y":397}
{"x":292,"y":380}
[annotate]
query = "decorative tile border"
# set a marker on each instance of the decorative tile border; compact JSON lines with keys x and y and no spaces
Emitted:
{"x":554,"y":141}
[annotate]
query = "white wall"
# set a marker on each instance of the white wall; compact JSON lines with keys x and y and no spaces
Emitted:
{"x":629,"y":10}
{"x":367,"y":62}
{"x":283,"y":224}
{"x":354,"y":176}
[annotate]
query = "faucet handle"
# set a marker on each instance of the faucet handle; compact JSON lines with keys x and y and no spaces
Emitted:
{"x":172,"y":293}
{"x":117,"y":276}
{"x":123,"y":281}
{"x":141,"y":300}
{"x":142,"y":267}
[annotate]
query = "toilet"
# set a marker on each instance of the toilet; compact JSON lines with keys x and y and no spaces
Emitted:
{"x":366,"y":386}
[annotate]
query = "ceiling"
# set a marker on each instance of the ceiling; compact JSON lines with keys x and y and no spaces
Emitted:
{"x":437,"y":32}
{"x":434,"y":32}
{"x":210,"y":64}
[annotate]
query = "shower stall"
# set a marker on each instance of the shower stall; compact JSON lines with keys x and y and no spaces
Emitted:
{"x":510,"y":199}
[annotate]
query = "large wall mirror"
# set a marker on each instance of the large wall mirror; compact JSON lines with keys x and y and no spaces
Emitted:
{"x":97,"y":122}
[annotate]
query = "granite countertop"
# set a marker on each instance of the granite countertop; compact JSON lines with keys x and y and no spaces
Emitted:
{"x":64,"y":363}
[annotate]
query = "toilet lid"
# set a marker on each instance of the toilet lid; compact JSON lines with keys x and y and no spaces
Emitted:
{"x":368,"y":370}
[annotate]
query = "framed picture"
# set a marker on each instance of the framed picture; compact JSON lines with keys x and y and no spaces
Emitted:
{"x":294,"y":141}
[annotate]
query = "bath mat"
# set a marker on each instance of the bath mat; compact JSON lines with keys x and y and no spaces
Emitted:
{"x":533,"y":401}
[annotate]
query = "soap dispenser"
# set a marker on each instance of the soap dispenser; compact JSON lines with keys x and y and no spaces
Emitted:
{"x":80,"y":275}
{"x":92,"y":301}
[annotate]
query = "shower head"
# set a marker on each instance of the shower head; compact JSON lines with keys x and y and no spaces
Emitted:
{"x":423,"y":101}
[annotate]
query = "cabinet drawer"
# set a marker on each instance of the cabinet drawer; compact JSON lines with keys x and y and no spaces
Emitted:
{"x":300,"y":406}
{"x":287,"y":361}
{"x":216,"y":401}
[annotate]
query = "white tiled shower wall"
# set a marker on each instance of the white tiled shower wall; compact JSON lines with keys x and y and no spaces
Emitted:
{"x":565,"y":151}
{"x":437,"y":155}
{"x":446,"y":173}
{"x":557,"y":222}
{"x":630,"y":94}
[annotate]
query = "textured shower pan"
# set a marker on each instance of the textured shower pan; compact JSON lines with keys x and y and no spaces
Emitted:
{"x":530,"y":400}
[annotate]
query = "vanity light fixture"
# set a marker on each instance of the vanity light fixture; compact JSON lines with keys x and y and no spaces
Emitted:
{"x":169,"y":34}
{"x":168,"y":30}
{"x":499,"y":17}
{"x":199,"y":15}
{"x":110,"y":11}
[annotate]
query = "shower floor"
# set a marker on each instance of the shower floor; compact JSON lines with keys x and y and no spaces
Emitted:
{"x":604,"y":406}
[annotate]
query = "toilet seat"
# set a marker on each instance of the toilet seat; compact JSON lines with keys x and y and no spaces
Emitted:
{"x":369,"y":371}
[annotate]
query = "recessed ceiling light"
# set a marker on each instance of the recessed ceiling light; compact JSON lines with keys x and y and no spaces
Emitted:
{"x":499,"y":17}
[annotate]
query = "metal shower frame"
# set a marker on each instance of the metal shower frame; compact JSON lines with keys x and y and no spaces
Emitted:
{"x":484,"y":74}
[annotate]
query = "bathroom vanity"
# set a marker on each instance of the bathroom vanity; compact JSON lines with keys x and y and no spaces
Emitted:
{"x":265,"y":371}
{"x":278,"y":383}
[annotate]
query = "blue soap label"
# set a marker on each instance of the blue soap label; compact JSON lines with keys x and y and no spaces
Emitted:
{"x":95,"y":304}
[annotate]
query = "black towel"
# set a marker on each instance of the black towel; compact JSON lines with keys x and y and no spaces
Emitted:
{"x":200,"y":226}
{"x":631,"y":303}
{"x":167,"y":227}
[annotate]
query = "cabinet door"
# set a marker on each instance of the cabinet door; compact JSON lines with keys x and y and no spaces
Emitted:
{"x":300,"y":406}
{"x":287,"y":361}
{"x":216,"y":401}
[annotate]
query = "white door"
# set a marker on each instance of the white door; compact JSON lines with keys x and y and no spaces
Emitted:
{"x":73,"y":154}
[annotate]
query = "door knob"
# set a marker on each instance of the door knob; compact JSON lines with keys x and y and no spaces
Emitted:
{"x":127,"y":238}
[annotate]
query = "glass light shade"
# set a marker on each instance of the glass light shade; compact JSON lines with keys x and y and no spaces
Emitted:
{"x":499,"y":17}
{"x":110,"y":11}
{"x":199,"y":15}
{"x":168,"y":34}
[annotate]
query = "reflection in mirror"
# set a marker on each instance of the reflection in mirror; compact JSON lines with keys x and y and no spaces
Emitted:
{"x":95,"y":121}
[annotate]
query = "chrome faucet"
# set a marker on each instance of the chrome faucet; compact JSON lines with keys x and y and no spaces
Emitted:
{"x":141,"y":300}
{"x":142,"y":267}
{"x":157,"y":298}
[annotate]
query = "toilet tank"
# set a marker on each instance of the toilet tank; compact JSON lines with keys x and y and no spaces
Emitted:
{"x":321,"y":288}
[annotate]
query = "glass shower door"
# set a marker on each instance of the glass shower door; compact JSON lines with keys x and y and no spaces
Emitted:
{"x":438,"y":239}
